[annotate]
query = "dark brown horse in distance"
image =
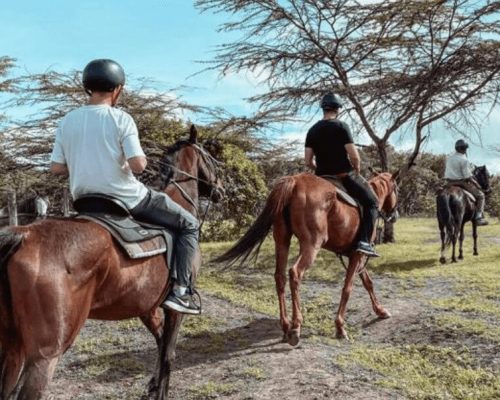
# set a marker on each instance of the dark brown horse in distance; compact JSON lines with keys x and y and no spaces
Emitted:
{"x":454,"y":209}
{"x":56,"y":273}
{"x":307,"y":206}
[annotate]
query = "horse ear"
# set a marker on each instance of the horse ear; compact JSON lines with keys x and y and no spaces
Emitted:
{"x":395,"y":175}
{"x":193,"y":134}
{"x":373,"y":171}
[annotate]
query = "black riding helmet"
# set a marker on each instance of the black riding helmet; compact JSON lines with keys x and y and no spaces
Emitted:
{"x":102,"y":75}
{"x":461,"y":145}
{"x":330,"y":102}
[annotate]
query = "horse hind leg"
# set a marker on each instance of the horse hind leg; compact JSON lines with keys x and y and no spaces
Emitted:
{"x":354,"y":263}
{"x":442,"y":232}
{"x":282,"y":237}
{"x":377,"y":307}
{"x":461,"y":242}
{"x":307,"y":255}
{"x":474,"y":236}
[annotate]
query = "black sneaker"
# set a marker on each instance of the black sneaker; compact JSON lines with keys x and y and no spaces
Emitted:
{"x":367,"y":249}
{"x":184,"y":304}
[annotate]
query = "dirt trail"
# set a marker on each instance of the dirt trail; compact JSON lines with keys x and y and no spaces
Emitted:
{"x":242,"y":359}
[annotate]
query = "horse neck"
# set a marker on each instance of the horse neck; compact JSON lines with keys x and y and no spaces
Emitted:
{"x":382,"y":190}
{"x":188,"y":185}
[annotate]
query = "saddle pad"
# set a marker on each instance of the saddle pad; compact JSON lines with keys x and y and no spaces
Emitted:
{"x":341,"y":191}
{"x":138,"y":240}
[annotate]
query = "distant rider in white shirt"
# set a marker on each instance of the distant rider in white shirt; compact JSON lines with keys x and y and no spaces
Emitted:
{"x":98,"y":146}
{"x":458,"y":173}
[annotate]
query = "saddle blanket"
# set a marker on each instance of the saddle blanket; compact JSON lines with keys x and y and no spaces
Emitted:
{"x":137,"y":239}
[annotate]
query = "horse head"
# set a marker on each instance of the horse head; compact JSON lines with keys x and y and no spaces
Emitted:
{"x":482,"y":177}
{"x":204,"y":167}
{"x":389,"y":210}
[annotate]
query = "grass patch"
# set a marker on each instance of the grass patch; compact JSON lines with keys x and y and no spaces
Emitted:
{"x":254,"y":373}
{"x":469,"y":326}
{"x":426,"y":372}
{"x":211,"y":390}
{"x":200,"y":325}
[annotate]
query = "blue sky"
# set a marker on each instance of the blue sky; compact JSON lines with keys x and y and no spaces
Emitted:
{"x":161,"y":40}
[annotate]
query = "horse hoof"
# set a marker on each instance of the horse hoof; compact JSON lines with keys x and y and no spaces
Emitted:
{"x":384,"y":314}
{"x":293,"y":337}
{"x":475,"y":254}
{"x":460,"y":257}
{"x":442,"y":260}
{"x":342,"y":334}
{"x":284,"y":339}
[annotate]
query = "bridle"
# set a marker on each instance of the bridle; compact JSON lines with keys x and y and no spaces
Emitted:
{"x":211,"y":163}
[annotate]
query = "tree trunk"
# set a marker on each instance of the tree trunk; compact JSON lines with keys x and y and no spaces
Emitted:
{"x":389,"y":232}
{"x":382,"y":155}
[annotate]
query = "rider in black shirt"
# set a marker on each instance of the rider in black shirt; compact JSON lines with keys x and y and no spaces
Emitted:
{"x":330,"y":151}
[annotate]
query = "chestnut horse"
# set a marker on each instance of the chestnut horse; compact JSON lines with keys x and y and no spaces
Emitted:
{"x":307,"y":206}
{"x":56,"y":273}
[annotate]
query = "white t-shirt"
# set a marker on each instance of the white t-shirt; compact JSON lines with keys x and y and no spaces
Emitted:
{"x":457,"y":167}
{"x":95,"y":142}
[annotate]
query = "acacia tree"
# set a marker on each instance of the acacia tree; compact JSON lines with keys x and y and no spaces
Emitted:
{"x":402,"y":65}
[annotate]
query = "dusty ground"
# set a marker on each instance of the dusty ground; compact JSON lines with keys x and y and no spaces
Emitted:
{"x":246,"y":360}
{"x":232,"y":352}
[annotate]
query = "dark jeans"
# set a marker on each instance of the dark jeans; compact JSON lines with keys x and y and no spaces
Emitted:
{"x":159,"y":209}
{"x":358,"y":187}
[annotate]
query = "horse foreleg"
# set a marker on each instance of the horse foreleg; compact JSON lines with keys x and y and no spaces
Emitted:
{"x":173,"y":322}
{"x":474,"y":236}
{"x":306,"y":258}
{"x":36,"y":378}
{"x":368,"y":284}
{"x":282,"y":236}
{"x":154,"y":322}
{"x":461,"y":242}
{"x":13,"y":360}
{"x":354,"y":263}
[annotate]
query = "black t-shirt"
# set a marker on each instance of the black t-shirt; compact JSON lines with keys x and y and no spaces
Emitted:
{"x":327,"y":139}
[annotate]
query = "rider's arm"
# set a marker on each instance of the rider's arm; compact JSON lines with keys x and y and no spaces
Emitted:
{"x":59,"y":169}
{"x":353,"y":154}
{"x":57,"y":159}
{"x":137,"y":164}
{"x":131,"y":145}
{"x":309,"y":158}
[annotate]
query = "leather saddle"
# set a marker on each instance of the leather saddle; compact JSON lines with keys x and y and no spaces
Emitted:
{"x":138,"y":239}
{"x":341,"y":190}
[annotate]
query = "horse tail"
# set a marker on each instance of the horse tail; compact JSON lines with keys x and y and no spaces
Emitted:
{"x":249,"y":244}
{"x":445,"y":216}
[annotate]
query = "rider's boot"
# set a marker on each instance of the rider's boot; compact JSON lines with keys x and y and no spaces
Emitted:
{"x":480,"y":220}
{"x":366,"y":248}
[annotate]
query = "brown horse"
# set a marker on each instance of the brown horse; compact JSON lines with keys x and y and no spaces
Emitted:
{"x":56,"y":273}
{"x":307,"y":206}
